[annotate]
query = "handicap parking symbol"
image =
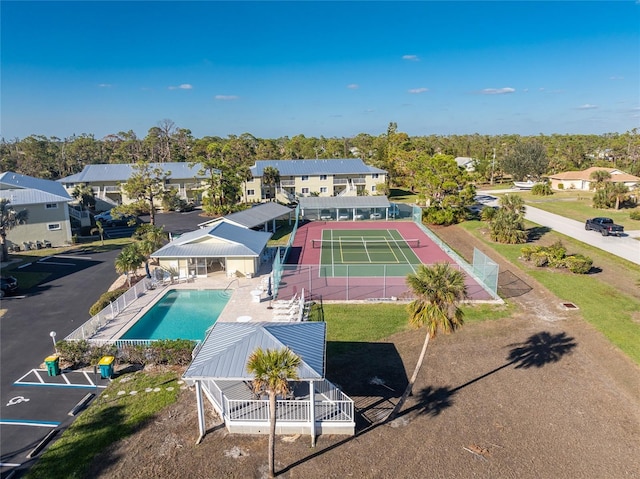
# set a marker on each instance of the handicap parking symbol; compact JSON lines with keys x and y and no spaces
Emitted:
{"x":17,"y":400}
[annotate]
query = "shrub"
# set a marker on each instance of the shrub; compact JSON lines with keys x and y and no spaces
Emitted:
{"x":74,"y":352}
{"x":578,"y":263}
{"x":528,"y":251}
{"x":171,"y":351}
{"x":105,"y":299}
{"x":556,"y":254}
{"x":133,"y":354}
{"x":542,"y":189}
{"x":635,"y":215}
{"x":540,"y":258}
{"x":82,"y":353}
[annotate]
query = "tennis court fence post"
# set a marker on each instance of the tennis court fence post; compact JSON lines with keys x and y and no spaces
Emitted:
{"x":384,"y":281}
{"x":347,"y":288}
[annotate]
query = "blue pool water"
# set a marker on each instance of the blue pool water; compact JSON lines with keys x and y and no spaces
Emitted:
{"x":180,"y":314}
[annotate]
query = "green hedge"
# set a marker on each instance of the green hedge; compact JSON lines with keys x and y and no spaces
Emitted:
{"x":105,"y":300}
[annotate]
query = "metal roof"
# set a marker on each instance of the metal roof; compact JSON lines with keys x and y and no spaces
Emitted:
{"x":123,"y":171}
{"x":226,"y":349}
{"x":328,"y":202}
{"x":15,"y":181}
{"x":31,"y":197}
{"x":258,"y":215}
{"x":232,"y":241}
{"x":345,"y":166}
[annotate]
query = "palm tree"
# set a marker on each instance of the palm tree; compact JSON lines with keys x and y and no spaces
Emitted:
{"x":438,"y":289}
{"x":150,"y":238}
{"x":272,"y":369}
{"x":129,"y":260}
{"x":600,"y":178}
{"x":507,"y":225}
{"x":270,"y":177}
{"x":84,"y":194}
{"x":9,"y":219}
{"x":618,"y":192}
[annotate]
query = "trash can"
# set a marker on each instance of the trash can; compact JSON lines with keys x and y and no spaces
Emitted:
{"x":53,"y":365}
{"x":106,"y":367}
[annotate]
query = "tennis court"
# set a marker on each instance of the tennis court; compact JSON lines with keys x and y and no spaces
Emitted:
{"x":347,"y":252}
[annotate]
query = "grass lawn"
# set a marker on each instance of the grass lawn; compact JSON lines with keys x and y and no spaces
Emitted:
{"x":109,"y":418}
{"x":607,"y":308}
{"x":577,"y":205}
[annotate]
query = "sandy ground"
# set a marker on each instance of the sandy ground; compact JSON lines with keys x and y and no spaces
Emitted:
{"x":538,"y":395}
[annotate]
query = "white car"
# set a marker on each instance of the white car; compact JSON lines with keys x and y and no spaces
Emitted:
{"x":375,"y":216}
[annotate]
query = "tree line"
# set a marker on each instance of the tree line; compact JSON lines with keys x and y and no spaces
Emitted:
{"x":394,"y":151}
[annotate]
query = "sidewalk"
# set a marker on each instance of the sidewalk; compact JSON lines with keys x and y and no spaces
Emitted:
{"x":240,"y":304}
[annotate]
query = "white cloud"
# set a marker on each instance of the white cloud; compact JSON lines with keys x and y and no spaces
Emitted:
{"x":104,"y":85}
{"x":587,"y":106}
{"x":616,"y":78}
{"x":417,"y":90}
{"x":184,"y":86}
{"x":497,"y":91}
{"x":411,"y":58}
{"x":353,"y":86}
{"x":226,"y":97}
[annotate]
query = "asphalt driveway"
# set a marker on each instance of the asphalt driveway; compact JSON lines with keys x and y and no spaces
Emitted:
{"x":30,"y":405}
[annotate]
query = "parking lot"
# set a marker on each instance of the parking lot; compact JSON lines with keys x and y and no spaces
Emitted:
{"x":32,"y":403}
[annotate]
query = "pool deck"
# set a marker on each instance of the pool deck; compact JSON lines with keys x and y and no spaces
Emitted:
{"x":241,"y":305}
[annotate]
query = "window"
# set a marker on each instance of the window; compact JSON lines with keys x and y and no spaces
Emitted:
{"x":51,"y":206}
{"x":305,"y":177}
{"x":305,"y":191}
{"x":323,"y":189}
{"x":251,"y":192}
{"x":373,"y":188}
{"x":374,"y":176}
{"x":54,"y":226}
{"x":323,"y":177}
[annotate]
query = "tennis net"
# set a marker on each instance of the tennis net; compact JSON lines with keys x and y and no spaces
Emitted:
{"x":365,"y":243}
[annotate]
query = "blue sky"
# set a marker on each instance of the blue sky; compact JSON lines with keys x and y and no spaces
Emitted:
{"x":277,"y":69}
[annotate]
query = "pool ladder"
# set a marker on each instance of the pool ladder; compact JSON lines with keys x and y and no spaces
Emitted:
{"x":236,"y":279}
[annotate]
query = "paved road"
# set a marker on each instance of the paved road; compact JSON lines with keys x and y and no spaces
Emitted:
{"x":625,"y":246}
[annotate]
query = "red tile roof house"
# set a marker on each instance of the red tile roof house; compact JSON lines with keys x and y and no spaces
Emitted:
{"x":581,"y":180}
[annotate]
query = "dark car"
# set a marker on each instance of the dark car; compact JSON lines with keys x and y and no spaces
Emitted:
{"x":107,"y":220}
{"x":9,"y":285}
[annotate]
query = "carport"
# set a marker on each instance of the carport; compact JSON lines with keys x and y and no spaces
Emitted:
{"x":257,"y":217}
{"x":346,"y":208}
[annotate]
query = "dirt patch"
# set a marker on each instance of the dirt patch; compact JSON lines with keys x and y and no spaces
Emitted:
{"x":538,"y":395}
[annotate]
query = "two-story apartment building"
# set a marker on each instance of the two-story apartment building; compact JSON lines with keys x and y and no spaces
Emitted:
{"x":46,"y":202}
{"x":106,"y":180}
{"x":349,"y":176}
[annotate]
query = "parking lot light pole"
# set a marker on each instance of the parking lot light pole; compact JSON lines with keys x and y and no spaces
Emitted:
{"x":53,"y":338}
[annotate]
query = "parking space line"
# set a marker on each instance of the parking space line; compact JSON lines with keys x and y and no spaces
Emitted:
{"x":38,"y":379}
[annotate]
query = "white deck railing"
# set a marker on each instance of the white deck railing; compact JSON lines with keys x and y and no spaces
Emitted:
{"x":109,"y":313}
{"x":335,"y":406}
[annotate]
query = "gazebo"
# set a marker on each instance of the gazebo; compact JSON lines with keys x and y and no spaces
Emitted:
{"x":314,"y":406}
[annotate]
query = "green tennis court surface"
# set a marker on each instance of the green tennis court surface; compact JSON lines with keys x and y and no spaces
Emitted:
{"x":366,"y":253}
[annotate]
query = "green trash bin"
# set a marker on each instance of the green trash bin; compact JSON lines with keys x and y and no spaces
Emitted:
{"x":53,"y":365}
{"x":106,"y":367}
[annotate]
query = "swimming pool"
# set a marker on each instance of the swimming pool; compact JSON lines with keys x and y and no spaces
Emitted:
{"x":180,"y":314}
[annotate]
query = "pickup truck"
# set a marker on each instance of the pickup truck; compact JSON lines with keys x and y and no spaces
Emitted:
{"x":605,"y":226}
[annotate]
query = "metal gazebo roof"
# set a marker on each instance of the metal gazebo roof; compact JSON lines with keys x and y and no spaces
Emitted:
{"x":226,"y":350}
